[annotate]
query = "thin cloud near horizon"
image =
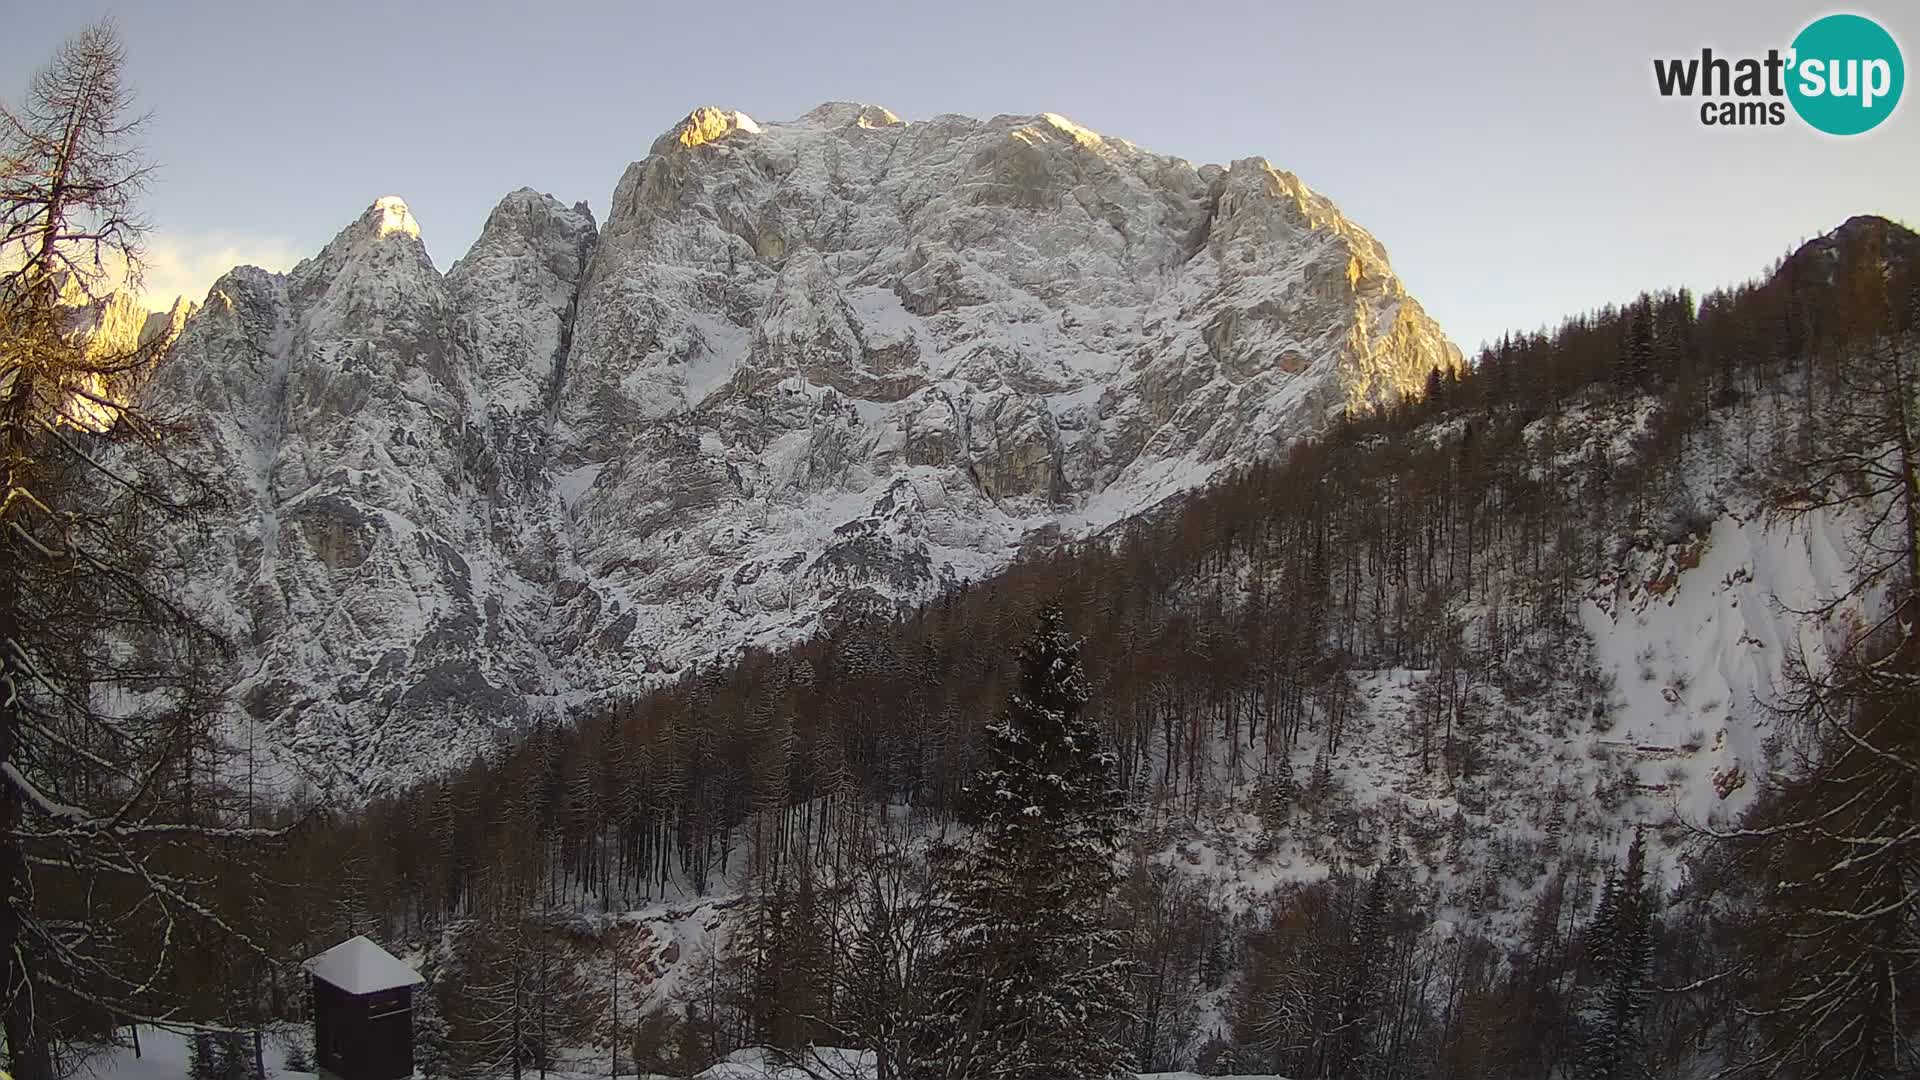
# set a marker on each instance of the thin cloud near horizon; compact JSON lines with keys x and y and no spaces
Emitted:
{"x":181,"y":262}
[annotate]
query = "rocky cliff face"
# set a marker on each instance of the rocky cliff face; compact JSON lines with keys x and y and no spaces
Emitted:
{"x":381,"y":432}
{"x":837,"y":363}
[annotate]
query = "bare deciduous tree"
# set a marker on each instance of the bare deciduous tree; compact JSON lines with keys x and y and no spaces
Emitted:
{"x":1832,"y":963}
{"x":111,"y":831}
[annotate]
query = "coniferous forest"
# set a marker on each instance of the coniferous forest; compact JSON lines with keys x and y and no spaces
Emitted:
{"x":981,"y":839}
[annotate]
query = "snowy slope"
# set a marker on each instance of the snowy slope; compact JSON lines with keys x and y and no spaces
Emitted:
{"x":165,"y":1056}
{"x":806,"y":368}
{"x":1657,"y":713}
{"x":168,"y":1055}
{"x":1695,"y":643}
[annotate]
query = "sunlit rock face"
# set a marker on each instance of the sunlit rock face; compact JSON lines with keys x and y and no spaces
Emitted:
{"x":124,"y":340}
{"x":837,"y":363}
{"x":938,"y":336}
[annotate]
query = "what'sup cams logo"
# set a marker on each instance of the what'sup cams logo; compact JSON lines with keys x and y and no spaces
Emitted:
{"x":1842,"y":75}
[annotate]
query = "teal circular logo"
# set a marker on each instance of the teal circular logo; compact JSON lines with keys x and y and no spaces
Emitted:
{"x":1846,"y":74}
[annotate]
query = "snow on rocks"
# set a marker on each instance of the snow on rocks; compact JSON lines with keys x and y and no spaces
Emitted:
{"x":843,"y":360}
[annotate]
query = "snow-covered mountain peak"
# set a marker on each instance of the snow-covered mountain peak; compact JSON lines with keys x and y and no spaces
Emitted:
{"x":832,"y":114}
{"x":392,"y":216}
{"x":1081,"y":135}
{"x":832,"y":364}
{"x":376,"y":261}
{"x":704,"y":125}
{"x":527,"y":224}
{"x":386,"y":219}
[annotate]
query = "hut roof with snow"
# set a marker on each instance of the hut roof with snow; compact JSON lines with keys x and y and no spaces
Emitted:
{"x":358,"y":966}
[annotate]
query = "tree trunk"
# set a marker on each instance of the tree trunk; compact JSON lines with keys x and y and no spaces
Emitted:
{"x":27,"y":1048}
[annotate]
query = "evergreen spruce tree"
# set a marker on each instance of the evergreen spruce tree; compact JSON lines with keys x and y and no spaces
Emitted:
{"x":235,"y":1056}
{"x":219,"y":1055}
{"x":1635,"y":366}
{"x":1280,"y":796}
{"x":1620,"y":963}
{"x":1031,"y":985}
{"x":1321,"y":781}
{"x":1273,"y":802}
{"x":1363,"y":990}
{"x":1556,"y":827}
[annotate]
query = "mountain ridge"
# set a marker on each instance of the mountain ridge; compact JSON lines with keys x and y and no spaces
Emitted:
{"x":836,"y":364}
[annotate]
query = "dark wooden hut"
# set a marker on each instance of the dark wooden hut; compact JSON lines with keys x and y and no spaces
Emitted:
{"x":362,"y":1012}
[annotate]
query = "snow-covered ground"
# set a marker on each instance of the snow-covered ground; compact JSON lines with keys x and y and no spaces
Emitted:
{"x":1695,"y":643}
{"x":164,"y":1056}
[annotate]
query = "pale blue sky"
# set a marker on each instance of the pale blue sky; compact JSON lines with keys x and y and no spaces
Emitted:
{"x":1513,"y":157}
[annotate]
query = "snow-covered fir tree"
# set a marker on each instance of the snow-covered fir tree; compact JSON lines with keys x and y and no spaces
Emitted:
{"x":1031,"y":983}
{"x":220,"y":1055}
{"x":1364,"y":972}
{"x":1620,"y":958}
